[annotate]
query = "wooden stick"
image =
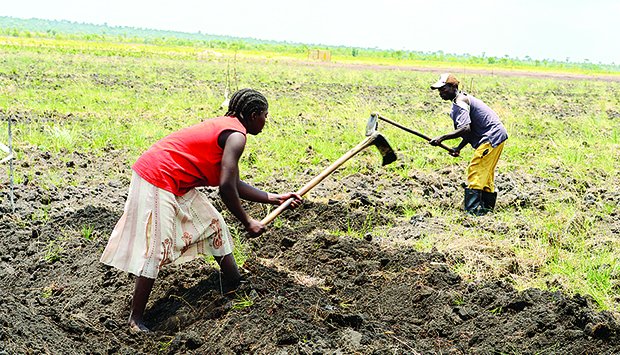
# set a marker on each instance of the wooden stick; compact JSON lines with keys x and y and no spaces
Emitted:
{"x":316,"y":180}
{"x":414,"y":132}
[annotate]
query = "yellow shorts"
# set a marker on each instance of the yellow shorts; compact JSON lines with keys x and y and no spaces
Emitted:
{"x":481,"y":170}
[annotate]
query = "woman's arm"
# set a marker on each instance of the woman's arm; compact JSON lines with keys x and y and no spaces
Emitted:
{"x":251,"y":193}
{"x":229,"y":183}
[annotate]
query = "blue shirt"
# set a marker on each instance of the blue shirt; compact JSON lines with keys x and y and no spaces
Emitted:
{"x":483,"y":121}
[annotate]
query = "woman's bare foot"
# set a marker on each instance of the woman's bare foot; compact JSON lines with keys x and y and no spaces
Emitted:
{"x":230,"y":286}
{"x":138,"y":326}
{"x":141,"y":294}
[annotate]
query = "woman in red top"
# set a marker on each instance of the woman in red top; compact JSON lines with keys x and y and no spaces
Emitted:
{"x":166,"y":220}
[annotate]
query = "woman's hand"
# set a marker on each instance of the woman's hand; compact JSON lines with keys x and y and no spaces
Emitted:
{"x":255,"y":228}
{"x":297,"y":201}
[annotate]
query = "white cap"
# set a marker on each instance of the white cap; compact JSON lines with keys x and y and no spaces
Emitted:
{"x":445,"y":78}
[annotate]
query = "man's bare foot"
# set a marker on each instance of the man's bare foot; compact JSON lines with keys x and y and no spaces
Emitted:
{"x":138,"y":326}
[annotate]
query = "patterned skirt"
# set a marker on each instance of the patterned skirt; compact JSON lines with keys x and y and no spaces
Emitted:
{"x":158,"y":228}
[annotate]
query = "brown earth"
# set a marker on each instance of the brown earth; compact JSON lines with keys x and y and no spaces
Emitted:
{"x":471,"y":71}
{"x":310,"y":291}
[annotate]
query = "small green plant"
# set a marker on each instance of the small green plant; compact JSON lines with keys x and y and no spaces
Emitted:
{"x":497,"y":311}
{"x":42,"y":214}
{"x":278,"y":223}
{"x":241,"y":302}
{"x":459,"y":300}
{"x":87,"y":232}
{"x":53,"y":252}
{"x":53,"y":178}
{"x":164,"y":345}
{"x":52,"y":289}
{"x":368,"y":225}
{"x":47,"y":292}
{"x":345,"y":304}
{"x":241,"y":246}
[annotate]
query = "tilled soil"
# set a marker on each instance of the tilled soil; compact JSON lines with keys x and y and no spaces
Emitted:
{"x":307,"y":289}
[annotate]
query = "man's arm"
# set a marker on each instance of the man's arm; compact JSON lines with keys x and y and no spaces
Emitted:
{"x":460,"y":132}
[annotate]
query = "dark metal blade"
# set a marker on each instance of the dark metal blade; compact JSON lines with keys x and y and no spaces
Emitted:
{"x":384,"y":148}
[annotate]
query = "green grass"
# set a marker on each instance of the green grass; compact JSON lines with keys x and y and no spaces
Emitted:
{"x":241,"y":302}
{"x":87,"y":232}
{"x":93,"y":97}
{"x":53,"y":252}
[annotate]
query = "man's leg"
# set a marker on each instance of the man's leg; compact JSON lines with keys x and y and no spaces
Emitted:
{"x":488,"y":200}
{"x":489,"y":163}
{"x":481,"y":179}
{"x":473,"y":202}
{"x":489,"y":196}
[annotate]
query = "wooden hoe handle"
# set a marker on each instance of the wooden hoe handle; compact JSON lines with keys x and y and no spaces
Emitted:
{"x":317,"y":179}
{"x":414,"y":132}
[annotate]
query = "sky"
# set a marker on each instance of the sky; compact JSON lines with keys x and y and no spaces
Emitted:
{"x":577,"y":31}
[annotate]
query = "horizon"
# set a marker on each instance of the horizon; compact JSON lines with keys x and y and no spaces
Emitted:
{"x":490,"y":32}
{"x":200,"y":33}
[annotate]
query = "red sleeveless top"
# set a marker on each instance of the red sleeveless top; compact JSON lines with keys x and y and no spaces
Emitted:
{"x":187,"y":158}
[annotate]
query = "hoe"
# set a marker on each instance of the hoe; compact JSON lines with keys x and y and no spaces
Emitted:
{"x":376,"y":116}
{"x":373,"y":137}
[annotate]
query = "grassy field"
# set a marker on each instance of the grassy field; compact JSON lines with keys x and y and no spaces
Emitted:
{"x":563,"y":153}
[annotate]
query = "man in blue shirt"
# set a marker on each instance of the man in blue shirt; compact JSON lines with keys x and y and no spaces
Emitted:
{"x":478,"y":125}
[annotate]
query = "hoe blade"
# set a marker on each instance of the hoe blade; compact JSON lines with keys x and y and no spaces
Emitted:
{"x":384,"y":148}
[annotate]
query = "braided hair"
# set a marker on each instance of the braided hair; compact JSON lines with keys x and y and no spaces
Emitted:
{"x":245,"y":102}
